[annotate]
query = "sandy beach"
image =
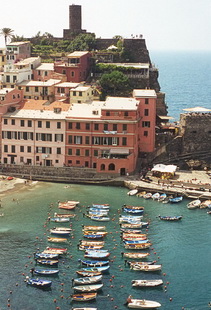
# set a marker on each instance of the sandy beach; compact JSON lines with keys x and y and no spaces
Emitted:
{"x":8,"y":184}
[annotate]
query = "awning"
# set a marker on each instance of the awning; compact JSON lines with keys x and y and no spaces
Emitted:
{"x":119,"y":151}
{"x":164,"y":168}
{"x":165,"y":117}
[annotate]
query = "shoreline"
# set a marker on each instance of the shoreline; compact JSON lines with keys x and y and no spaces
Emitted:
{"x":9,"y":185}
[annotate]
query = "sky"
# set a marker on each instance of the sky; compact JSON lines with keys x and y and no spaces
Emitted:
{"x":164,"y":24}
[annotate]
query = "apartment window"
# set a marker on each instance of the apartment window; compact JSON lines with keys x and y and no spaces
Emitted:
{"x":13,"y":121}
{"x":95,"y":152}
{"x":96,"y":126}
{"x":86,"y":164}
{"x":13,"y":148}
{"x":5,"y":160}
{"x":37,"y":158}
{"x":58,"y":137}
{"x":22,"y":149}
{"x":5,"y":148}
{"x":58,"y":151}
{"x":78,"y":139}
{"x":115,"y":141}
{"x":69,"y":162}
{"x":21,"y":159}
{"x":124,"y":141}
{"x":78,"y":152}
{"x":27,"y":88}
{"x":87,"y":140}
{"x":78,"y":162}
{"x":22,"y":123}
{"x":70,"y":139}
{"x":70,"y":151}
{"x":70,"y":125}
{"x":147,"y":101}
{"x":78,"y":126}
{"x":7,"y":78}
{"x":63,"y":71}
{"x":86,"y":152}
{"x":105,"y":140}
{"x":14,"y":78}
{"x":95,"y":165}
{"x":39,"y":72}
{"x":124,"y":127}
{"x":29,"y":123}
{"x":146,"y":112}
{"x":36,"y":89}
{"x":46,"y":73}
{"x":146,"y":124}
{"x":5,"y":121}
{"x":28,"y":161}
{"x":72,"y":73}
{"x":126,"y":113}
{"x":96,"y":140}
{"x":29,"y":149}
{"x":74,"y":93}
{"x":114,"y":127}
{"x":58,"y":125}
{"x":107,"y":113}
{"x":87,"y":126}
{"x":145,"y":133}
{"x":48,"y":124}
{"x":105,"y":127}
{"x":80,"y":93}
{"x":39,"y":124}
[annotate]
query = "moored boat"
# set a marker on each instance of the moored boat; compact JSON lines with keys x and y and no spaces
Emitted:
{"x":88,"y":288}
{"x":93,"y":263}
{"x":88,"y":273}
{"x":47,"y":262}
{"x":147,"y":283}
{"x":133,"y":211}
{"x":147,"y":196}
{"x":59,"y":232}
{"x":84,"y":296}
{"x":170,"y":218}
{"x":68,"y":215}
{"x":96,"y":228}
{"x":46,"y":272}
{"x":136,"y":255}
{"x":146,"y":267}
{"x":57,"y":240}
{"x":60,"y":219}
{"x":132,"y":192}
{"x":84,"y":308}
{"x":176,"y":199}
{"x":194,"y":204}
{"x":46,"y":255}
{"x":156,"y":196}
{"x":143,"y":304}
{"x":87,"y":280}
{"x":137,"y":246}
{"x":162,"y":197}
{"x":96,"y":268}
{"x":55,"y":250}
{"x":38,"y":283}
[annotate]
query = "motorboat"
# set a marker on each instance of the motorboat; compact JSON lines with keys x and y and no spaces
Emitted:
{"x":147,"y":283}
{"x":143,"y":304}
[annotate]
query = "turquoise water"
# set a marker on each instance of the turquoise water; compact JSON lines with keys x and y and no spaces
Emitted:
{"x":183,"y":249}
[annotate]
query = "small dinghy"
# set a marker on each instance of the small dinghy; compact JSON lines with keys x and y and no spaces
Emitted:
{"x":132,"y":192}
{"x":98,"y":268}
{"x":162,"y":197}
{"x":133,"y":211}
{"x":38,"y":283}
{"x":88,"y":273}
{"x":57,"y":240}
{"x":135,"y":255}
{"x":46,"y":272}
{"x":48,"y":262}
{"x":194,"y":204}
{"x":60,"y":219}
{"x":93,"y":263}
{"x":143,"y":304}
{"x":147,"y":196}
{"x":59,"y":232}
{"x":45,"y":255}
{"x":84,"y":308}
{"x":58,"y":251}
{"x":147,"y":283}
{"x":176,"y":199}
{"x":170,"y":218}
{"x":95,"y":228}
{"x":87,"y":280}
{"x":96,"y":255}
{"x":84,"y":296}
{"x":88,"y":288}
{"x":156,"y":196}
{"x":148,"y":268}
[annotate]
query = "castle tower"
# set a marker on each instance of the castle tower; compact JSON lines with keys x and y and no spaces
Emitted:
{"x":75,"y":18}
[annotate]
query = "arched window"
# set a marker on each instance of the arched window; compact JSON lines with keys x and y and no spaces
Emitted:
{"x":102,"y":167}
{"x":111,"y":167}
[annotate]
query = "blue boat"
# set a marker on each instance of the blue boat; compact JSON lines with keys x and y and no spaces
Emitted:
{"x":45,"y":272}
{"x":176,"y":199}
{"x":98,"y":269}
{"x":135,"y":241}
{"x":133,"y":211}
{"x":46,"y":255}
{"x":97,"y":236}
{"x":94,"y":263}
{"x":38,"y":283}
{"x":47,"y":262}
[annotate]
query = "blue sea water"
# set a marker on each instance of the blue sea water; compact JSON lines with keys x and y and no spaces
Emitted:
{"x":183,"y":249}
{"x":185,"y":77}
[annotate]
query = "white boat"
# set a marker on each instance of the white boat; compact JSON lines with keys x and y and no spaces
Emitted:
{"x":93,"y":228}
{"x":147,"y":196}
{"x":88,"y":288}
{"x":147,"y":283}
{"x":143,"y":304}
{"x":156,"y":196}
{"x":135,"y":255}
{"x":147,"y":268}
{"x":205,"y":204}
{"x":88,"y":280}
{"x":132,"y":192}
{"x":194,"y":204}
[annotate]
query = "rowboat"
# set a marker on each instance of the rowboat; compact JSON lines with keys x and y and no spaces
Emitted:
{"x":134,"y":263}
{"x":97,"y":213}
{"x":143,"y":304}
{"x":170,"y":218}
{"x":131,"y":231}
{"x":64,"y":215}
{"x":94,"y":236}
{"x":95,"y":254}
{"x":147,"y":196}
{"x":59,"y":232}
{"x":90,"y":232}
{"x":135,"y":241}
{"x":88,"y":280}
{"x":156,"y":196}
{"x":46,"y":272}
{"x":141,"y":194}
{"x":162,"y":197}
{"x":194,"y":204}
{"x":133,"y":211}
{"x":133,"y":207}
{"x":38,"y":283}
{"x":90,"y":247}
{"x":136,"y":255}
{"x":105,"y":209}
{"x":84,"y":296}
{"x":147,"y":283}
{"x":146,"y":267}
{"x":100,"y":268}
{"x":137,"y":246}
{"x":66,"y":206}
{"x":176,"y":199}
{"x":88,"y":288}
{"x":100,"y":218}
{"x":56,"y":250}
{"x":128,"y":238}
{"x":205,"y":204}
{"x":87,"y":273}
{"x":62,"y":228}
{"x":46,"y":255}
{"x":57,"y":240}
{"x":85,"y":242}
{"x":48,"y":262}
{"x":132,"y":192}
{"x":129,"y":225}
{"x":105,"y":205}
{"x":93,"y":263}
{"x":60,"y":219}
{"x":97,"y":228}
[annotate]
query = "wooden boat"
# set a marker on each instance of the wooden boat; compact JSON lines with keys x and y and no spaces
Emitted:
{"x":129,"y":225}
{"x":56,"y":250}
{"x":88,"y":273}
{"x":135,"y":241}
{"x":38,"y":283}
{"x":131,"y":217}
{"x":133,"y":207}
{"x":132,"y":192}
{"x":194,"y":204}
{"x":136,"y":255}
{"x":88,"y":280}
{"x":147,"y":196}
{"x":96,"y":268}
{"x":100,"y":218}
{"x":93,"y":263}
{"x":46,"y":272}
{"x":135,"y":263}
{"x":170,"y":218}
{"x":66,"y":206}
{"x":156,"y":196}
{"x":90,"y":232}
{"x":176,"y":199}
{"x":205,"y":204}
{"x":141,"y":194}
{"x":130,"y":231}
{"x":57,"y":240}
{"x":147,"y":283}
{"x":64,"y":215}
{"x":62,"y":229}
{"x":85,"y":242}
{"x":60,"y":219}
{"x":46,"y":255}
{"x":137,"y":246}
{"x":96,"y":255}
{"x":90,"y":247}
{"x":162,"y":197}
{"x":94,"y":236}
{"x":88,"y":288}
{"x":47,"y":262}
{"x":59,"y":232}
{"x":148,"y":268}
{"x":143,"y":304}
{"x":133,"y":211}
{"x":95,"y":228}
{"x":128,"y":238}
{"x":84,"y":296}
{"x":134,"y":236}
{"x":105,"y":205}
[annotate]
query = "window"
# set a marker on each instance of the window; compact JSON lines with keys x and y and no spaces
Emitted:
{"x":95,"y":165}
{"x":69,"y":162}
{"x":58,"y":125}
{"x":22,"y":149}
{"x":102,"y":167}
{"x":48,"y":124}
{"x":39,"y":72}
{"x":145,"y":133}
{"x":78,"y":139}
{"x":74,"y":93}
{"x":70,"y":139}
{"x":95,"y":152}
{"x":146,"y":112}
{"x":147,"y":101}
{"x":27,"y":88}
{"x":124,"y":141}
{"x":114,"y":127}
{"x":72,"y":73}
{"x":5,"y":160}
{"x":14,"y":78}
{"x":63,"y":71}
{"x":124,"y":127}
{"x":87,"y":126}
{"x":7,"y":78}
{"x":96,"y":140}
{"x":22,"y":123}
{"x":29,"y":149}
{"x":146,"y":124}
{"x":70,"y":151}
{"x":58,"y":137}
{"x":46,"y":73}
{"x":86,"y":164}
{"x":126,"y":113}
{"x":5,"y":148}
{"x":86,"y":152}
{"x":78,"y":126}
{"x":78,"y":162}
{"x":105,"y":127}
{"x":21,"y":159}
{"x":78,"y":152}
{"x":70,"y":125}
{"x":39,"y":124}
{"x":37,"y":158}
{"x":13,"y":148}
{"x":5,"y":121}
{"x":111,"y":167}
{"x":87,"y":140}
{"x":96,"y":126}
{"x":58,"y":151}
{"x":107,"y":113}
{"x":36,"y":89}
{"x":105,"y":140}
{"x":29,"y":123}
{"x":13,"y":121}
{"x":80,"y":93}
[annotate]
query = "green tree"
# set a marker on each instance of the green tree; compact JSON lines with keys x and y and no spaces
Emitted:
{"x":7,"y":33}
{"x":83,"y":42}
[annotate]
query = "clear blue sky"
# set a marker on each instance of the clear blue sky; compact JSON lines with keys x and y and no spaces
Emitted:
{"x":165,"y":24}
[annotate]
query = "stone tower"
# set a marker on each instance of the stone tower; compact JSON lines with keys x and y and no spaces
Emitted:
{"x":75,"y":18}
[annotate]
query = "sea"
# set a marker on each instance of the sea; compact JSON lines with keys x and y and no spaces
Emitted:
{"x":182,"y":248}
